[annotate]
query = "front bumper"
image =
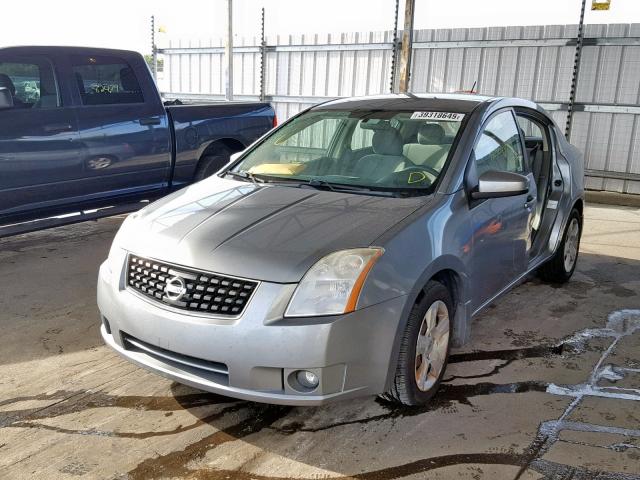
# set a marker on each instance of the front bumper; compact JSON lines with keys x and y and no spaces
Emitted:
{"x":255,"y":356}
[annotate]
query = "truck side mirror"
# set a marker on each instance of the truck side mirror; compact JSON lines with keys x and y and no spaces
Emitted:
{"x":6,"y":100}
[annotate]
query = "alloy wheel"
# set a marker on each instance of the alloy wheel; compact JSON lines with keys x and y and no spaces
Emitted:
{"x":431,"y":345}
{"x":571,"y":244}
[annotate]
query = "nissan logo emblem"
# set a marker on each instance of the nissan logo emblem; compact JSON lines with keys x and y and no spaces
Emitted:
{"x":175,"y":289}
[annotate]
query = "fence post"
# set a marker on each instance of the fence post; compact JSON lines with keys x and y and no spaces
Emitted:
{"x":576,"y":72}
{"x":154,"y":49}
{"x":394,"y":51}
{"x":228,"y":52}
{"x":407,"y":41}
{"x":263,"y":59}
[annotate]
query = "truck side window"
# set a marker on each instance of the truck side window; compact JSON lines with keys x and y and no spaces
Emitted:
{"x":30,"y":81}
{"x":106,"y":81}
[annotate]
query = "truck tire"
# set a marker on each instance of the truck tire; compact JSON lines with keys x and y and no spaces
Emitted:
{"x":424,"y":348}
{"x":561,"y":266}
{"x":211,"y":163}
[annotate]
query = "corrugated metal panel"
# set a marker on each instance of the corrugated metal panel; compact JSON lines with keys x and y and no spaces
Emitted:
{"x":534,"y":62}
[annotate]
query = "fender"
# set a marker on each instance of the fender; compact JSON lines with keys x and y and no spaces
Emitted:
{"x":462,"y":315}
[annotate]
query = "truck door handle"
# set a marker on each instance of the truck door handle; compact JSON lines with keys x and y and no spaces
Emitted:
{"x":149,"y":121}
{"x":58,"y":127}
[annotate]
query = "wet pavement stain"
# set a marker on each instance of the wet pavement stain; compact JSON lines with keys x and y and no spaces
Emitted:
{"x":174,"y":464}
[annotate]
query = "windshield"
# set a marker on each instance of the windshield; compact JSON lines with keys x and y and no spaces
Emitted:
{"x":375,"y":150}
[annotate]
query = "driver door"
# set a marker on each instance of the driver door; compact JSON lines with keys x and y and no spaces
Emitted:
{"x":501,"y":227}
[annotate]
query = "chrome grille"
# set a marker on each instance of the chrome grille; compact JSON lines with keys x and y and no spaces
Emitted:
{"x":188,"y":289}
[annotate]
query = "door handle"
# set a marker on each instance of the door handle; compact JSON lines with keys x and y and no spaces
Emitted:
{"x":530,"y":199}
{"x":58,"y":127}
{"x":149,"y":121}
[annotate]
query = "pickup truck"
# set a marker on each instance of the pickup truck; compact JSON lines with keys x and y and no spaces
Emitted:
{"x":82,"y":129}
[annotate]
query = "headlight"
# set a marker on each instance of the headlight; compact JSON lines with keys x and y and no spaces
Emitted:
{"x":115,"y":258}
{"x":332,"y":285}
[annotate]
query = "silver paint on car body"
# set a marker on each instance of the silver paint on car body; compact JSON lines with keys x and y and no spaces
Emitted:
{"x":274,"y":233}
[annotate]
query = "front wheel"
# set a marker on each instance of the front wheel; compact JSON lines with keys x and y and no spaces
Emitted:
{"x":424,"y":348}
{"x":563,"y":263}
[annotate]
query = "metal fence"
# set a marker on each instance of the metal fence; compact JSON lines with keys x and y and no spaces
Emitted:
{"x":534,"y":62}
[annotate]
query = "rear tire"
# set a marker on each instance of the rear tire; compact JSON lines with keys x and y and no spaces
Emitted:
{"x":563,"y":263}
{"x":424,"y":348}
{"x":212,"y":163}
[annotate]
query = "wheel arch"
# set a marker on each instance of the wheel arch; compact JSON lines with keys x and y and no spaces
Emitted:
{"x":232,"y":144}
{"x":579,"y":205}
{"x":451,"y":272}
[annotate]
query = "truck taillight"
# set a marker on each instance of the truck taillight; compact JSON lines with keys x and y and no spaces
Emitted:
{"x":275,"y":121}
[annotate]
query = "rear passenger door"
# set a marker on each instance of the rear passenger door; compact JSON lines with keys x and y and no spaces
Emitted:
{"x":40,"y":162}
{"x":123,"y":125}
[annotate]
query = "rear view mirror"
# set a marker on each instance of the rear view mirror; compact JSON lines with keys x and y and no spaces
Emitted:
{"x":494,"y":184}
{"x":6,"y":100}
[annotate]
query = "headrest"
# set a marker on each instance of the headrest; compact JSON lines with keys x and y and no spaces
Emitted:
{"x":129,"y":80}
{"x":5,"y":81}
{"x":387,"y":142}
{"x":431,"y":134}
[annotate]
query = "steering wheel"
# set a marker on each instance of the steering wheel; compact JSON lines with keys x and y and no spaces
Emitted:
{"x":413,"y":176}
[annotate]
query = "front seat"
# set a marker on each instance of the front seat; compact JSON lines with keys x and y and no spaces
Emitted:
{"x":386,"y":158}
{"x":431,"y":149}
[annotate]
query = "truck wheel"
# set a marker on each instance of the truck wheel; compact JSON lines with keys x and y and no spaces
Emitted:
{"x":424,"y":348}
{"x":563,"y":263}
{"x":211,"y":163}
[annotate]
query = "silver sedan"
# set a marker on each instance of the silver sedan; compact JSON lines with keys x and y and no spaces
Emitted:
{"x":345,"y":252}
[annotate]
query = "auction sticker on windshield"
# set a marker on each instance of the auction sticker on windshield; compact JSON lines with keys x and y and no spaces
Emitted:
{"x":442,"y":116}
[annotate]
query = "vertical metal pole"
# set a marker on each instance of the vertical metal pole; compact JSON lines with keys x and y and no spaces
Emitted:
{"x":576,"y":72}
{"x":154,"y":49}
{"x":394,"y":50}
{"x":263,"y":59}
{"x":228,"y":52}
{"x":407,"y":40}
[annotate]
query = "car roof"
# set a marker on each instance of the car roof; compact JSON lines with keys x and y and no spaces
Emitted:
{"x":50,"y":49}
{"x":440,"y":102}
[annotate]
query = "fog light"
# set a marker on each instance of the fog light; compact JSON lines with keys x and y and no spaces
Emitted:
{"x":307,"y":379}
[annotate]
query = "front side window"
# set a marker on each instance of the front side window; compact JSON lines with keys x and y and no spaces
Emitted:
{"x":106,"y":81}
{"x":376,"y":150}
{"x":31,"y":82}
{"x":499,"y":147}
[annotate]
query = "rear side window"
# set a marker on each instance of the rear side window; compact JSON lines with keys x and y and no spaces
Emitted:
{"x":106,"y":81}
{"x":30,"y":81}
{"x":499,"y":147}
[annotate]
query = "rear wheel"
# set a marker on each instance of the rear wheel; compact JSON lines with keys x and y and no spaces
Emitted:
{"x":213,"y":162}
{"x":424,"y":348}
{"x":563,"y":263}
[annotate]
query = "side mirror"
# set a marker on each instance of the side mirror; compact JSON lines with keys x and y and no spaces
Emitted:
{"x":6,"y":100}
{"x":494,"y":184}
{"x":235,"y":156}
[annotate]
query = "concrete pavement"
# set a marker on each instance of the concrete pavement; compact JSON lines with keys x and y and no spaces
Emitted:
{"x":549,"y":386}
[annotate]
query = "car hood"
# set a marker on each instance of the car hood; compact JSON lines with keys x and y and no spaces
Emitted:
{"x":264,"y":232}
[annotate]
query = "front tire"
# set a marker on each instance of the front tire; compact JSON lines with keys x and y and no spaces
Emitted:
{"x":563,"y":263}
{"x":424,"y":348}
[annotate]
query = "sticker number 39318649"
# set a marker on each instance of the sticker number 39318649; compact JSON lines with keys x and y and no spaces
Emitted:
{"x":441,"y":116}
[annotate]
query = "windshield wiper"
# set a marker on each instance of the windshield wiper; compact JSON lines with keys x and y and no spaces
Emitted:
{"x":340,"y":187}
{"x":243,"y":175}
